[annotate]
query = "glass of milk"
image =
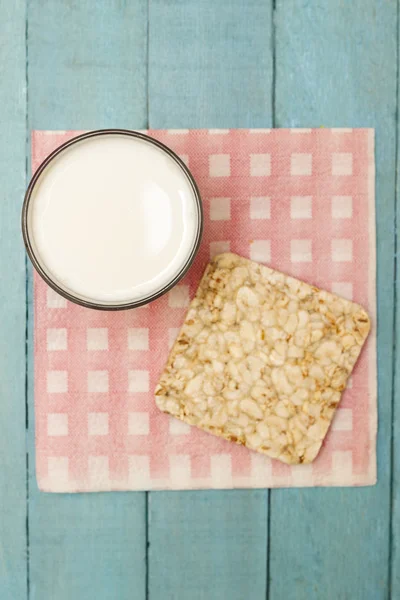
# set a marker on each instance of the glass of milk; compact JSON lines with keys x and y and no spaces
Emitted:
{"x":112,"y":219}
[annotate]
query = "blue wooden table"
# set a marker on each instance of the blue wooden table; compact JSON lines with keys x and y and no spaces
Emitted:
{"x":86,"y":64}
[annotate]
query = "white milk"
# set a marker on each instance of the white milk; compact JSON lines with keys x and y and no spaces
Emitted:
{"x":113,"y":219}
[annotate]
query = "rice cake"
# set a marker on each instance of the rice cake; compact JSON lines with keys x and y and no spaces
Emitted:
{"x":262,"y":359}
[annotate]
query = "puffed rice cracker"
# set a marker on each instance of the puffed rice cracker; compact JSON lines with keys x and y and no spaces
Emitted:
{"x":262,"y":359}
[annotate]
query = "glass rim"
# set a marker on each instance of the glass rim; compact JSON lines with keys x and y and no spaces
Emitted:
{"x":37,"y":264}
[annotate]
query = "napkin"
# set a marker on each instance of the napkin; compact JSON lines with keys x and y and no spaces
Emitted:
{"x":299,"y":200}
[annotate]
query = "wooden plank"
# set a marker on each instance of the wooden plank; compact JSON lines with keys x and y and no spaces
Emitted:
{"x":210,"y":65}
{"x":208,"y":545}
{"x":395,"y":530}
{"x":336,"y":66}
{"x":88,"y":64}
{"x":87,"y":69}
{"x":13,"y":575}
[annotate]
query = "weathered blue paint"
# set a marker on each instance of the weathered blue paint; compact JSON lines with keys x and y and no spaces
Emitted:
{"x":204,"y":64}
{"x":87,"y":69}
{"x":394,"y":581}
{"x":336,"y":66}
{"x":12,"y":303}
{"x":209,"y":66}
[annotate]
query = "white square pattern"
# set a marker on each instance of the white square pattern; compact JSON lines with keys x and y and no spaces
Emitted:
{"x":260,"y":251}
{"x":220,"y":165}
{"x":301,"y":130}
{"x":342,"y":250}
{"x":139,"y":471}
{"x":343,"y":420}
{"x":342,"y":207}
{"x":178,"y":297}
{"x":138,"y":338}
{"x":98,"y":381}
{"x":97,"y":338}
{"x":179,"y":468}
{"x":98,"y":423}
{"x":54,"y":300}
{"x":260,"y":165}
{"x":178,"y":427}
{"x":219,"y":248}
{"x":58,"y":468}
{"x":178,"y":131}
{"x":260,"y":207}
{"x":138,"y":381}
{"x":302,"y":475}
{"x":343,"y":289}
{"x":342,"y":464}
{"x":221,"y":470}
{"x":56,"y":339}
{"x":301,"y":164}
{"x":342,"y":163}
{"x":301,"y":251}
{"x":301,"y":207}
{"x":98,"y":467}
{"x":260,"y":467}
{"x":57,"y":382}
{"x":138,"y":423}
{"x":220,"y":209}
{"x":57,"y":424}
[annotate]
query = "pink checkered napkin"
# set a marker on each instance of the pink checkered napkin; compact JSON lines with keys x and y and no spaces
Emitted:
{"x":299,"y":200}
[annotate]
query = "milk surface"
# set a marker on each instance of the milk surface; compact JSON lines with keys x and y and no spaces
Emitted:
{"x":113,"y":219}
